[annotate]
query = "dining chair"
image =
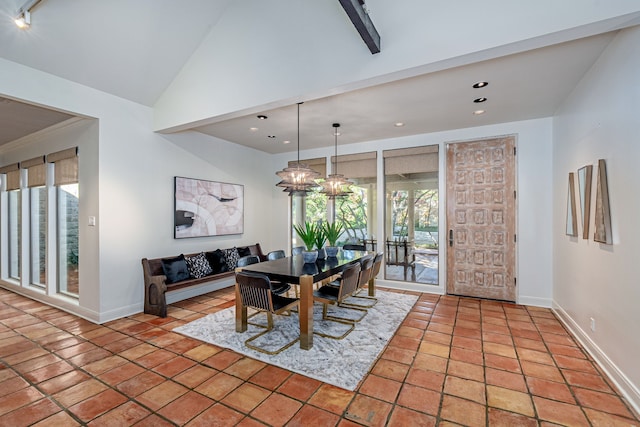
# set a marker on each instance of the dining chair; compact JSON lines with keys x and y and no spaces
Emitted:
{"x":353,"y":247}
{"x":248,"y":260}
{"x":256,"y":292}
{"x":273,"y":255}
{"x":334,"y":295}
{"x":363,"y":281}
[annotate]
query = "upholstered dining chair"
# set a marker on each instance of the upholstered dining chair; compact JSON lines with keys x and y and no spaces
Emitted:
{"x":248,"y":260}
{"x":256,"y":292}
{"x":273,"y":255}
{"x":278,"y":287}
{"x":363,"y":281}
{"x":353,"y":247}
{"x":329,"y":294}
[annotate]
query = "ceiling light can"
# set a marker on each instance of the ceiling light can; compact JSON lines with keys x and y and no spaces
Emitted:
{"x":479,"y":85}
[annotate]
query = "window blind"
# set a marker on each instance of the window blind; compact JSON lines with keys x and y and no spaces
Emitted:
{"x":360,"y":165}
{"x":66,"y":170}
{"x":12,"y":172}
{"x":36,"y":171}
{"x":411,"y":160}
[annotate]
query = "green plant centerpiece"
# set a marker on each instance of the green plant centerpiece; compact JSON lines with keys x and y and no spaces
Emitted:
{"x":320,"y":240}
{"x":307,"y":233}
{"x":332,"y":231}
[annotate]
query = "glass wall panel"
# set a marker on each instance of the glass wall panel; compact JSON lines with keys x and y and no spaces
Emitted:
{"x":14,"y":201}
{"x":68,"y":253}
{"x":38,"y":211}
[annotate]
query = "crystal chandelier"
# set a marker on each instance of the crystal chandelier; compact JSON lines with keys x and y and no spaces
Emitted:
{"x":299,"y":178}
{"x":336,"y":185}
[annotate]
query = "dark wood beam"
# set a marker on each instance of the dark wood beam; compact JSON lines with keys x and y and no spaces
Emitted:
{"x":362,"y":22}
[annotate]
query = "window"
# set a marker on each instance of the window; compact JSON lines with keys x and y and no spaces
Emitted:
{"x":313,"y":206}
{"x":14,"y":201}
{"x":38,"y":233}
{"x":411,"y":227}
{"x":67,"y":230}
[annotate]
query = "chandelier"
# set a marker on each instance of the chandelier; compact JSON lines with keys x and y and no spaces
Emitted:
{"x":298,"y":178}
{"x":336,"y":185}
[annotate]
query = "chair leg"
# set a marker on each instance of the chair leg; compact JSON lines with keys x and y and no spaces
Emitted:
{"x":269,"y":327}
{"x":329,"y":318}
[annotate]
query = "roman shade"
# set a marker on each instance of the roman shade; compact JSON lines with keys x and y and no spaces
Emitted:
{"x":66,"y":166}
{"x":360,"y":165}
{"x":411,"y":160}
{"x":36,"y":171}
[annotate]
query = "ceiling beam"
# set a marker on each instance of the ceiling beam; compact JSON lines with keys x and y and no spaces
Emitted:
{"x":360,"y":18}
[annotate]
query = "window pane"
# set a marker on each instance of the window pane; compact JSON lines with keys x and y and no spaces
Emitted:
{"x":38,"y":235}
{"x":15,"y":231}
{"x":411,"y":243}
{"x":353,"y":212}
{"x":68,"y":239}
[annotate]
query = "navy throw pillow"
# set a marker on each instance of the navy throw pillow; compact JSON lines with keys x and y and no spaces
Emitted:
{"x":217,"y":261}
{"x":244,"y":251}
{"x":175,"y":269}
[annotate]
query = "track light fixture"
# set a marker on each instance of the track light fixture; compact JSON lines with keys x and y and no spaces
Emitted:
{"x":23,"y":15}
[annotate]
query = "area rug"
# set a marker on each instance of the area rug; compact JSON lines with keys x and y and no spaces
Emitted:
{"x":342,"y":363}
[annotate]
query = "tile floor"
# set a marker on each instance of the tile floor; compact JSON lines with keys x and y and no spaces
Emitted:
{"x":454,"y":361}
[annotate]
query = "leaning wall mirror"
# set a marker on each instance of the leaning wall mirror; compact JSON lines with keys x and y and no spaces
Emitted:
{"x":584,"y":185}
{"x":572,"y":222}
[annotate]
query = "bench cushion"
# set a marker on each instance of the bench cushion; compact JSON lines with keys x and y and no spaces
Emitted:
{"x":175,"y":269}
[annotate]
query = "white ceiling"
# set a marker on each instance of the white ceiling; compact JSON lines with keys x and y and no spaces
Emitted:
{"x":134,"y":49}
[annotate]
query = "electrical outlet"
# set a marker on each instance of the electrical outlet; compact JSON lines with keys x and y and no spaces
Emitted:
{"x":592,"y":324}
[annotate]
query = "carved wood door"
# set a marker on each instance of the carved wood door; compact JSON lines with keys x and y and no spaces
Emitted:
{"x":481,"y":218}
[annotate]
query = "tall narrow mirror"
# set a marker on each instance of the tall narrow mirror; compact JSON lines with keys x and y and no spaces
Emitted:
{"x":584,"y":184}
{"x":572,"y":223}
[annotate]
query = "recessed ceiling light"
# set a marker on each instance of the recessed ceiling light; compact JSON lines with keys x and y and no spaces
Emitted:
{"x":480,"y":84}
{"x":286,"y":141}
{"x":398,"y":124}
{"x":478,"y":112}
{"x":479,"y":100}
{"x":271,"y":136}
{"x":253,"y":129}
{"x":262,"y":117}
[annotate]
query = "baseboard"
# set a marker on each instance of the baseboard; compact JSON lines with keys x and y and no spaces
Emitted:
{"x":629,"y":390}
{"x":121,"y":312}
{"x":535,"y":301}
{"x":193,"y":291}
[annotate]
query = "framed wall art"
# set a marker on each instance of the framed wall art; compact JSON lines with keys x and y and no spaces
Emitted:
{"x":584,"y":186}
{"x":603,"y":214}
{"x":207,"y":208}
{"x":571,"y":228}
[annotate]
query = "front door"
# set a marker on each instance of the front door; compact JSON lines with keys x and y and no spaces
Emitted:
{"x":481,"y":237}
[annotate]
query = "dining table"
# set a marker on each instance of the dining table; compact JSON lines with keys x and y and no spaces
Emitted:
{"x":295,"y":271}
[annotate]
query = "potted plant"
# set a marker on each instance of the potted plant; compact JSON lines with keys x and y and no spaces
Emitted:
{"x":332,"y":231}
{"x":320,"y":240}
{"x":307,"y":233}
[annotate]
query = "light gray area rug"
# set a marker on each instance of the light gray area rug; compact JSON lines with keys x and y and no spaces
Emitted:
{"x":342,"y":363}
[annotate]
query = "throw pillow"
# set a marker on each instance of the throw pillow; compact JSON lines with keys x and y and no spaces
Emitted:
{"x":231,"y":256}
{"x":175,"y":269}
{"x":198,"y":265}
{"x":244,"y":251}
{"x":217,"y":261}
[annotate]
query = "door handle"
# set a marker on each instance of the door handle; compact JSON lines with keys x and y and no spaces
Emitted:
{"x":450,"y":237}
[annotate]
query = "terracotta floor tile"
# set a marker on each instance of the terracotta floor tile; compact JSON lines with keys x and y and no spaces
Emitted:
{"x":500,"y":362}
{"x":108,"y":363}
{"x":319,"y":417}
{"x":299,"y":387}
{"x":429,"y":362}
{"x":60,"y":419}
{"x":140,"y":383}
{"x":174,"y":366}
{"x":218,"y":386}
{"x":438,"y":337}
{"x":420,"y":399}
{"x":604,"y":402}
{"x":405,"y":343}
{"x":584,"y":380}
{"x":30,"y":414}
{"x":496,"y":329}
{"x":391,"y":370}
{"x":216,"y":415}
{"x":466,"y":389}
{"x":510,"y":400}
{"x":599,"y":418}
{"x":48,"y":372}
{"x":23,"y":356}
{"x":535,"y":356}
{"x":559,"y":413}
{"x":463,"y":412}
{"x":505,"y":379}
{"x":79,"y":392}
{"x":547,"y":372}
{"x":469,"y":356}
{"x":576,"y":364}
{"x":121,"y":373}
{"x":155,"y":358}
{"x":276,"y":410}
{"x":59,"y":383}
{"x":427,"y":379}
{"x":36,"y":363}
{"x":550,"y":390}
{"x":467,"y":343}
{"x":246,"y":397}
{"x":124,"y":415}
{"x":138,"y":351}
{"x":89,"y":357}
{"x":434,"y":349}
{"x":565,"y":350}
{"x":11,"y":385}
{"x":186,"y":407}
{"x":408,"y":418}
{"x":399,"y":355}
{"x":558,"y":339}
{"x":469,"y":371}
{"x":368,"y":411}
{"x":160,"y":395}
{"x":499,"y":349}
{"x":497,"y":338}
{"x":530,"y":344}
{"x":183,"y":345}
{"x":97,"y":405}
{"x":245,"y":368}
{"x":500,"y":418}
{"x":380,"y":388}
{"x":331,"y":398}
{"x":69,"y":352}
{"x":409,"y":332}
{"x":270,"y":377}
{"x":222,"y":360}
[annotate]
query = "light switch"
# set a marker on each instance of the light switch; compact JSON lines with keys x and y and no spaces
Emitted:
{"x":92,"y":221}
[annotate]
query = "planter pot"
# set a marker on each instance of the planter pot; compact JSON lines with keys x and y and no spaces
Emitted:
{"x":332,"y":251}
{"x":309,"y":257}
{"x":321,"y":253}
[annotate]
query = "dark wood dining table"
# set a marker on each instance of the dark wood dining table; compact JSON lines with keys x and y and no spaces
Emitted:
{"x":293,"y":270}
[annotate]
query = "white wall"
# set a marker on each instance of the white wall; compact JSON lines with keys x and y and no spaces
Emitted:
{"x":592,"y":280}
{"x":283,"y":51}
{"x":534,"y":218}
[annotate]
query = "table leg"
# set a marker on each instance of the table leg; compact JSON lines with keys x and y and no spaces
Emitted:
{"x":306,"y":312}
{"x":241,"y":312}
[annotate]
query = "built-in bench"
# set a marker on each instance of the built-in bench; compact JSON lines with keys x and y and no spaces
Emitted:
{"x":156,"y":284}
